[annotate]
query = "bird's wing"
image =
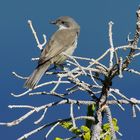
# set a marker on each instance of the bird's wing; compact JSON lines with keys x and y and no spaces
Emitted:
{"x":59,"y":43}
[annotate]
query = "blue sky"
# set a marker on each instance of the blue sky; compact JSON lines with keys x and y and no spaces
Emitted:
{"x":18,"y":46}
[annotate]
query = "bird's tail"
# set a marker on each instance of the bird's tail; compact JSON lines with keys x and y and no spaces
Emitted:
{"x":35,"y":77}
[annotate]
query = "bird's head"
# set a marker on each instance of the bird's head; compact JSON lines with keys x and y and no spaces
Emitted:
{"x":66,"y":22}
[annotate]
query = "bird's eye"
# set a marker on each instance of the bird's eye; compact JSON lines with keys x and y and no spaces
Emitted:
{"x":63,"y":22}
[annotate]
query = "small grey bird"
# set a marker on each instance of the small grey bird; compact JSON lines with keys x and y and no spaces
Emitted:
{"x":64,"y":40}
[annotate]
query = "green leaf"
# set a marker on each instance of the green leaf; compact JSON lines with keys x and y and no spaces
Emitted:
{"x":115,"y":124}
{"x":93,"y":107}
{"x":106,"y":126}
{"x":107,"y":137}
{"x":76,"y":131}
{"x":58,"y":138}
{"x":85,"y":128}
{"x":87,"y":134}
{"x":68,"y":125}
{"x":114,"y":121}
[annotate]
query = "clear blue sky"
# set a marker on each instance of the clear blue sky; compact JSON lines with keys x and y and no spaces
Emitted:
{"x":17,"y":46}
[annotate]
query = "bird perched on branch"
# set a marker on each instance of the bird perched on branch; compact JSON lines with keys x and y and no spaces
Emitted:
{"x":63,"y":41}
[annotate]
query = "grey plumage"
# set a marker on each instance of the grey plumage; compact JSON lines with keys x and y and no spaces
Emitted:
{"x":34,"y":78}
{"x":63,"y":40}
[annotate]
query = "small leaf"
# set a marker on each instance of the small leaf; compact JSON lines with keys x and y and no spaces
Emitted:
{"x":58,"y":138}
{"x":76,"y":131}
{"x":106,"y":127}
{"x":85,"y":128}
{"x":69,"y":126}
{"x":93,"y":107}
{"x":116,"y":127}
{"x":66,"y":125}
{"x":114,"y":121}
{"x":87,"y":134}
{"x":107,"y":137}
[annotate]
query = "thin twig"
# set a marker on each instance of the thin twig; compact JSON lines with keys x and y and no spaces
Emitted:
{"x":120,"y":67}
{"x":19,"y":76}
{"x":51,"y":129}
{"x":72,"y":116}
{"x":42,"y":117}
{"x":111,"y":45}
{"x":40,"y":46}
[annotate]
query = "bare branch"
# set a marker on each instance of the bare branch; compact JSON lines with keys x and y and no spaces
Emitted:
{"x":120,"y":67}
{"x":111,"y":44}
{"x":40,"y":46}
{"x":19,"y":76}
{"x":109,"y":117}
{"x":42,"y":117}
{"x":25,"y":136}
{"x":52,"y":128}
{"x":72,"y":116}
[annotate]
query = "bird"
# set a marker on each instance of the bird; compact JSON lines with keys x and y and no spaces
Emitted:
{"x":63,"y":41}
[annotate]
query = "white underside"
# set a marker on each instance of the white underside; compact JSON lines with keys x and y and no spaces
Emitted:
{"x":70,"y":49}
{"x":61,"y":27}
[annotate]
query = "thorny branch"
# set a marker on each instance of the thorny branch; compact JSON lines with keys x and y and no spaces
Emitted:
{"x":93,"y":78}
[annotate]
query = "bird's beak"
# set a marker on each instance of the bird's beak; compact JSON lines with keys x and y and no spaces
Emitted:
{"x":53,"y":22}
